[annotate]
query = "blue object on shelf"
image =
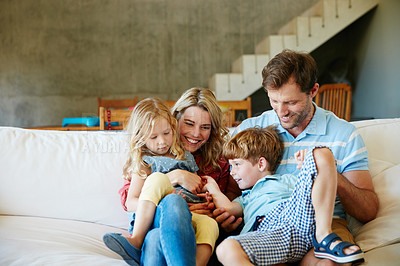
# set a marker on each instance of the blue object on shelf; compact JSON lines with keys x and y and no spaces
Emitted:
{"x":113,"y":124}
{"x":88,"y":121}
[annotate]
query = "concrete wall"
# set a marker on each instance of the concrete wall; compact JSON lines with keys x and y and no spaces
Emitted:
{"x":58,"y":56}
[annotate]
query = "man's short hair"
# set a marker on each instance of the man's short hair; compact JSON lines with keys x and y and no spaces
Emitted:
{"x":301,"y":66}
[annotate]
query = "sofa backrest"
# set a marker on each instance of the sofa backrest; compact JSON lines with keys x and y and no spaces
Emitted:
{"x":382,"y":141}
{"x":65,"y":175}
{"x":381,"y":137}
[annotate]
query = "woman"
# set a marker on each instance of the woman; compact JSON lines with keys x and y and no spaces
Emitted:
{"x":171,"y":241}
{"x":203,"y":133}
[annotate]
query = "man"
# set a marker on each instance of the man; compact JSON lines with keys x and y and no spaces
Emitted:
{"x":290,"y":82}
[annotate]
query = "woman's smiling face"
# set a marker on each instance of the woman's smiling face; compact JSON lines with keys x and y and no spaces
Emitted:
{"x":194,"y":128}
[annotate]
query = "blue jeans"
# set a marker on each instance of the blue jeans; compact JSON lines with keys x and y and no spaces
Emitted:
{"x":171,"y":240}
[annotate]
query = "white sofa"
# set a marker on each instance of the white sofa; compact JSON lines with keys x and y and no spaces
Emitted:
{"x":59,"y":195}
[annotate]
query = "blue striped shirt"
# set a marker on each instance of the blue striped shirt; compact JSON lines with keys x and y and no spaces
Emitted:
{"x":325,"y":129}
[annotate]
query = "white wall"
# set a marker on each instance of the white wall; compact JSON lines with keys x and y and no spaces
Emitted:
{"x":57,"y":56}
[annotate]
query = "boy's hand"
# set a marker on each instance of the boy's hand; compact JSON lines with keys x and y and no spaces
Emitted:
{"x":299,"y":156}
{"x":211,"y":185}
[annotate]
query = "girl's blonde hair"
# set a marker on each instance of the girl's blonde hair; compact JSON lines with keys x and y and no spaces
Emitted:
{"x":141,"y":123}
{"x":211,"y":151}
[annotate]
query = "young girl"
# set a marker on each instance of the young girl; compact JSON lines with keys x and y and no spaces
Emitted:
{"x":155,"y":150}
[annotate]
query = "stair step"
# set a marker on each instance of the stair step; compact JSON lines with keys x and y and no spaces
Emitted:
{"x":306,"y":32}
{"x":274,"y":44}
{"x":232,"y":85}
{"x":250,"y":64}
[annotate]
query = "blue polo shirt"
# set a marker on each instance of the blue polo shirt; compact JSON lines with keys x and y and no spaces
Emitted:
{"x":268,"y":192}
{"x":325,"y":129}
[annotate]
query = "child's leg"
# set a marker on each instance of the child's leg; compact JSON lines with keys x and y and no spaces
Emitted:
{"x":230,"y":252}
{"x":203,"y":254}
{"x":156,"y":187}
{"x":323,"y":195}
{"x":323,"y":192}
{"x":207,"y":232}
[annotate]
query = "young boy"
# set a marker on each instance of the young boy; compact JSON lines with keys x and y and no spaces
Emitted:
{"x":279,"y":229}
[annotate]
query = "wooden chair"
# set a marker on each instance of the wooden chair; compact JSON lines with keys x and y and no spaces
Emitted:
{"x":229,"y":109}
{"x":169,"y":104}
{"x":335,"y":98}
{"x":117,"y":103}
{"x":110,"y":117}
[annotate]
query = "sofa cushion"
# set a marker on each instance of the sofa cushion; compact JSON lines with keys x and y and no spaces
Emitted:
{"x":47,"y":241}
{"x":383,"y":145}
{"x":64,"y":175}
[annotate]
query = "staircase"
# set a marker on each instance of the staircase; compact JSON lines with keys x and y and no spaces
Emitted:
{"x":304,"y":33}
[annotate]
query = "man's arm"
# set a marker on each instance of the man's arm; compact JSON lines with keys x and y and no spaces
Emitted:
{"x":357,"y":194}
{"x":227,"y":221}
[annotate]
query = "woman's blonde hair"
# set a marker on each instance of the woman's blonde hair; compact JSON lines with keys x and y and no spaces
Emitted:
{"x":141,"y":123}
{"x":211,"y":151}
{"x":253,"y":143}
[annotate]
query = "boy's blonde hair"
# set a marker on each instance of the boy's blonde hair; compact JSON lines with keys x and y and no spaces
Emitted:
{"x":141,"y":123}
{"x":211,"y":151}
{"x":253,"y":143}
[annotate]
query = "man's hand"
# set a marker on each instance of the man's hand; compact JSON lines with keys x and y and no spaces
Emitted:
{"x":227,"y":221}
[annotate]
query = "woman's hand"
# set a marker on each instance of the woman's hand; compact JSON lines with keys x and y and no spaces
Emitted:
{"x":186,"y":179}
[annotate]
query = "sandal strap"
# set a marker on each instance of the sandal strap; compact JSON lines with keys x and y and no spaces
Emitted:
{"x":326,"y":242}
{"x":338,"y":249}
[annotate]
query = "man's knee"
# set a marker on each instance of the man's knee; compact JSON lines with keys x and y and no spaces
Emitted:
{"x":339,"y":226}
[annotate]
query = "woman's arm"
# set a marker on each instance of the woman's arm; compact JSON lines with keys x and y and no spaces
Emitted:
{"x":227,"y":221}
